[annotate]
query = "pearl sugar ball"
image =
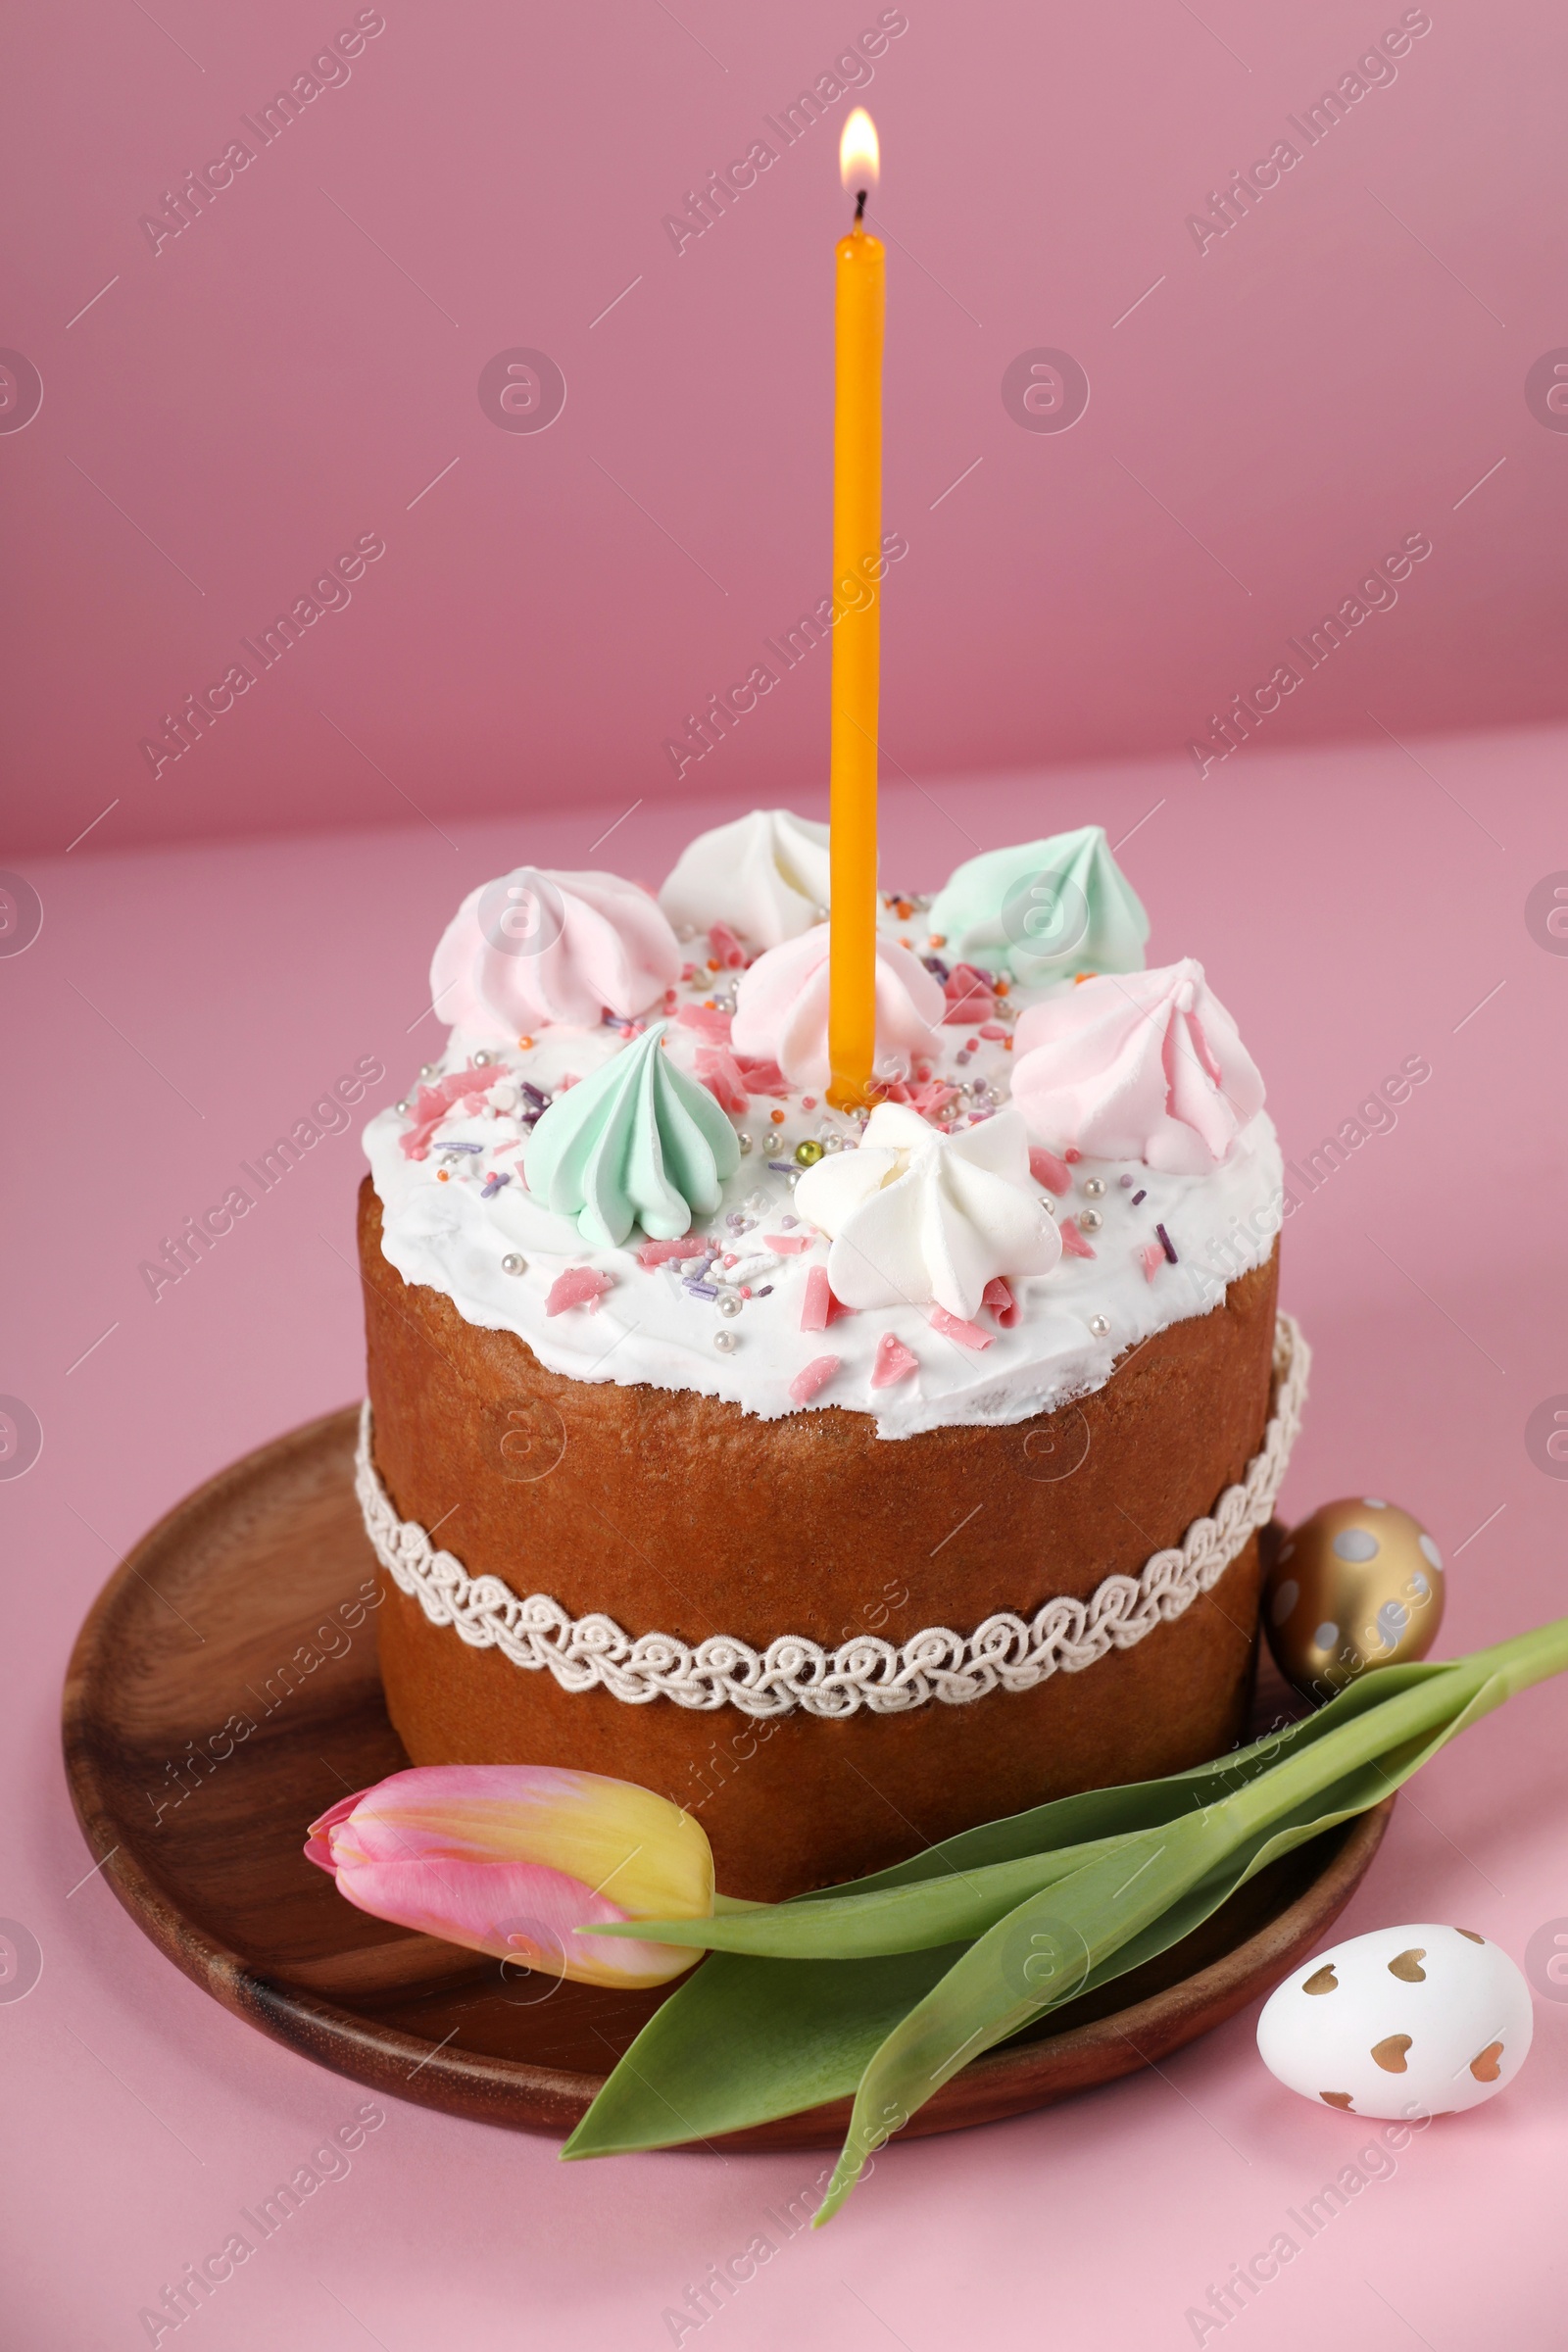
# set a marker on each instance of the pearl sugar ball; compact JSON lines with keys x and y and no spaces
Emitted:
{"x":1359,"y":1584}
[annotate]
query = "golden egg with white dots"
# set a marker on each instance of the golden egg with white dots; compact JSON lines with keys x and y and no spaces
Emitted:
{"x":1357,"y":1584}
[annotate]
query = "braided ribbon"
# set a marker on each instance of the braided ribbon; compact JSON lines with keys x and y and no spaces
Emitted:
{"x":1006,"y":1653}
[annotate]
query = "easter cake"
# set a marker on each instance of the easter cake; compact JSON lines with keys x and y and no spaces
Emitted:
{"x":848,"y":1477}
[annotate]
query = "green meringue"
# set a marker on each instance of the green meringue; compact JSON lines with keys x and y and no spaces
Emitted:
{"x":1043,"y":910}
{"x":638,"y":1142}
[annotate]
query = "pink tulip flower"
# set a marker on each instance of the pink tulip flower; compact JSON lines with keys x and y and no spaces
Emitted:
{"x":514,"y":1859}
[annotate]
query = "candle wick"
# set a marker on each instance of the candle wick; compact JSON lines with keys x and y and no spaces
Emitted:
{"x":860,"y":206}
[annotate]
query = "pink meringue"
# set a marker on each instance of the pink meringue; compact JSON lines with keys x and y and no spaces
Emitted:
{"x":1136,"y":1065}
{"x":781,"y":1009}
{"x":534,"y":946}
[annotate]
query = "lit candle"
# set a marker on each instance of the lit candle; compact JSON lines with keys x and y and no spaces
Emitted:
{"x":856,"y":636}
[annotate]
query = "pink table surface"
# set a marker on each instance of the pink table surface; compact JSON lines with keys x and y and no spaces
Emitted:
{"x":181,"y":1007}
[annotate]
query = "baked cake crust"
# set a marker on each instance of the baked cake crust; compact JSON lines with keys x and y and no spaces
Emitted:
{"x":678,"y":1509}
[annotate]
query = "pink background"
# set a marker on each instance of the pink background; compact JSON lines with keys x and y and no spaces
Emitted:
{"x":300,"y":364}
{"x":221,"y":419}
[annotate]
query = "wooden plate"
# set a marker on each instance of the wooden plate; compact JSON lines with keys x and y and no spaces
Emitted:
{"x":224,"y":1691}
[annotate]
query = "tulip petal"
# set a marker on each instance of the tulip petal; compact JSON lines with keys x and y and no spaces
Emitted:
{"x":515,"y":1859}
{"x":514,"y":1911}
{"x":320,"y":1847}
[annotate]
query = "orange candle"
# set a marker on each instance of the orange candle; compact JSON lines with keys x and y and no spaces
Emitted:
{"x":856,"y":636}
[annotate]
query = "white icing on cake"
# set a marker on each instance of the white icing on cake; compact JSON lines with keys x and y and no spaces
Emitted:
{"x":1073,"y":1322}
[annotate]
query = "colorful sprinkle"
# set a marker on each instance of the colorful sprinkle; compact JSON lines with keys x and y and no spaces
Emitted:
{"x":433,"y":1103}
{"x":720,"y":1073}
{"x":579,"y":1286}
{"x":493,"y":1183}
{"x":764,"y":1077}
{"x":1166,"y":1243}
{"x":969,"y":1000}
{"x":658,"y":1253}
{"x":1046,"y":1169}
{"x":893,"y":1362}
{"x":819,"y":1307}
{"x":814,"y":1376}
{"x":1138,"y":1197}
{"x":953,"y":1327}
{"x":788,"y":1245}
{"x":704,"y":1017}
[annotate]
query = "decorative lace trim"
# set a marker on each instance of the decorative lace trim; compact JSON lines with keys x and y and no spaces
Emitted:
{"x":1006,"y":1653}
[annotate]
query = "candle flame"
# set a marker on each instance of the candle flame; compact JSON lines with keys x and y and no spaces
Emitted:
{"x":859,"y":156}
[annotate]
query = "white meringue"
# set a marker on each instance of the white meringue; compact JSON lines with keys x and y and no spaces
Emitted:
{"x":781,"y":1009}
{"x":536,"y":946}
{"x":765,"y":875}
{"x":916,"y":1217}
{"x":1136,"y":1065}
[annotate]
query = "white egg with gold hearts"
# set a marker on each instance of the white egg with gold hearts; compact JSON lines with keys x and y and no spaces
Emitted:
{"x":1406,"y":2021}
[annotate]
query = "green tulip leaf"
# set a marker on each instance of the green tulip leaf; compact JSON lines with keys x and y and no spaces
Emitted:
{"x":887,"y":1987}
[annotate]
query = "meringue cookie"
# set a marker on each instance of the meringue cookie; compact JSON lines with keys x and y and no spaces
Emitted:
{"x":638,"y":1142}
{"x":781,"y":1009}
{"x":535,"y":947}
{"x":1136,"y":1065}
{"x":1045,"y":909}
{"x":767,"y":876}
{"x":917,"y":1218}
